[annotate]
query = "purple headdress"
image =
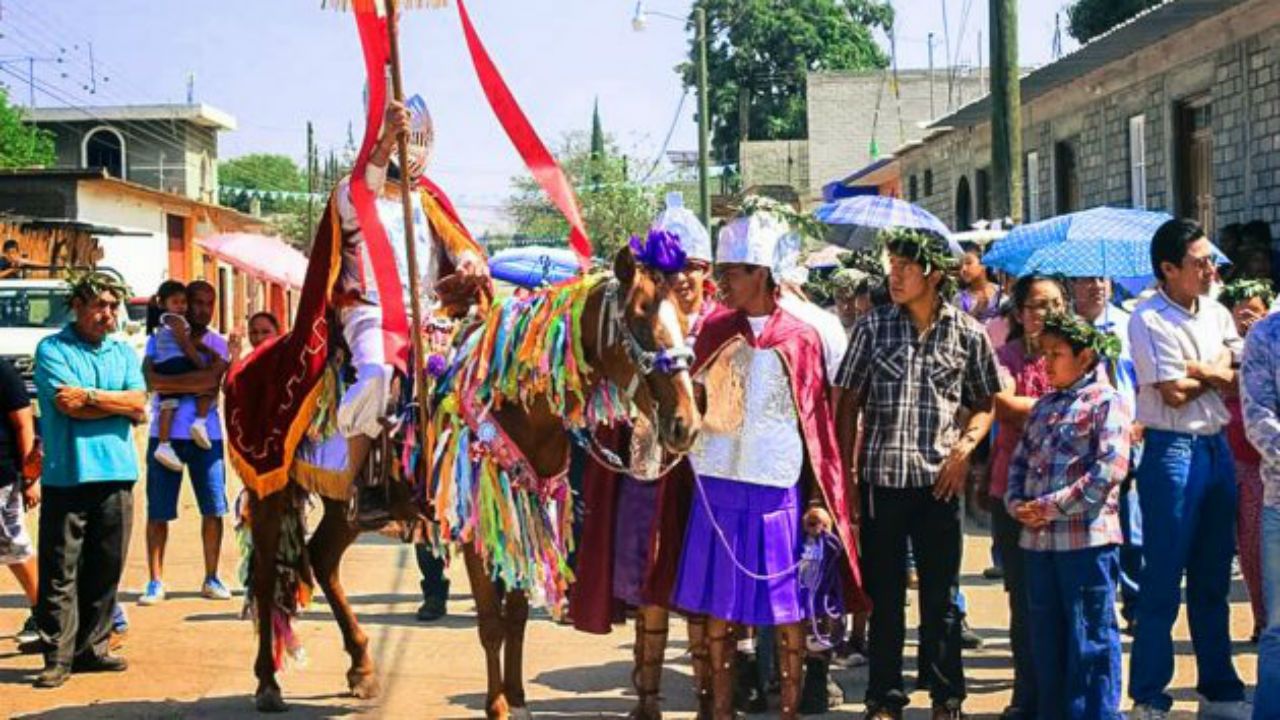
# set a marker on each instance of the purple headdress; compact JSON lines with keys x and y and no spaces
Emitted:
{"x":660,"y":251}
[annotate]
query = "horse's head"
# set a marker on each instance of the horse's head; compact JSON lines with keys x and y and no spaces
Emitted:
{"x":655,"y":362}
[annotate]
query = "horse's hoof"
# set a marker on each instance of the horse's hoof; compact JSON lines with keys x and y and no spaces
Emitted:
{"x":270,"y":700}
{"x":364,"y":687}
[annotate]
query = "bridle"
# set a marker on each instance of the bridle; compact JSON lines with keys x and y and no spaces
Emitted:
{"x":613,"y":322}
{"x":614,"y":328}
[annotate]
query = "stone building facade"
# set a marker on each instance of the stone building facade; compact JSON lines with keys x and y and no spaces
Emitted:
{"x":850,"y":113}
{"x":1176,"y":110}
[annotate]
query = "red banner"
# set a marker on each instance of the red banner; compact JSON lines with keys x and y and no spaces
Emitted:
{"x":534,"y":153}
{"x":395,"y":323}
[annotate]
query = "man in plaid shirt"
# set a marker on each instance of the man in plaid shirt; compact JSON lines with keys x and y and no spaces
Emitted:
{"x":910,"y":368}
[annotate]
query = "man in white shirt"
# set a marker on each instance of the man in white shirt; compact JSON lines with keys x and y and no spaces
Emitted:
{"x":1184,"y":345}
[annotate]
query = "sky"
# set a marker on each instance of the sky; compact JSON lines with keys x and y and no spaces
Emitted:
{"x":277,"y":64}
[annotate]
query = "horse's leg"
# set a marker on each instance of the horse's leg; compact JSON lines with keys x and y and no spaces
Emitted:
{"x":331,"y":539}
{"x":492,"y":635}
{"x":265,"y":519}
{"x":514,"y":618}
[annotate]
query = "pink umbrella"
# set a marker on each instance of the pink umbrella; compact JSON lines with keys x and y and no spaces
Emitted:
{"x":260,"y":255}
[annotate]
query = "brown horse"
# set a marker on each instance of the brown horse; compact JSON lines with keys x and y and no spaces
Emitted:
{"x":631,"y":335}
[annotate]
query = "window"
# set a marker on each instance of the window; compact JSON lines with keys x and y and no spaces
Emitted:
{"x":913,"y":189}
{"x":104,"y":148}
{"x":1032,"y":179}
{"x":928,"y":183}
{"x":1138,"y":161}
{"x":1066,"y":176}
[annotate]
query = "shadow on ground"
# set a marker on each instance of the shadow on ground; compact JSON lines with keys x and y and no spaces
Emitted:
{"x":237,"y":706}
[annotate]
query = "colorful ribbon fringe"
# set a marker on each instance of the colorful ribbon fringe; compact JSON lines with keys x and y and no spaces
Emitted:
{"x":484,"y":491}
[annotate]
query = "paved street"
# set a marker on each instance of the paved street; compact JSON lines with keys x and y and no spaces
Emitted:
{"x":192,"y":657}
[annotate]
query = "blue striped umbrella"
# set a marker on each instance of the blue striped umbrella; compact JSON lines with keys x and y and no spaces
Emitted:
{"x":855,"y":221}
{"x":1099,"y":242}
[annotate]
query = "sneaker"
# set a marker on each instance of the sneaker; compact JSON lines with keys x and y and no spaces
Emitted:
{"x":1148,"y":712}
{"x":153,"y":595}
{"x":200,"y":434}
{"x":969,"y":640}
{"x":214,"y":590}
{"x":166,"y":456}
{"x":52,"y":676}
{"x":1225,"y":710}
{"x":29,"y":633}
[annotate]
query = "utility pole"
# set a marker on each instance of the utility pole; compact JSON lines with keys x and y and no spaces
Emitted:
{"x":981,"y":78}
{"x":704,"y":121}
{"x":933,"y":113}
{"x":311,"y":187}
{"x":1006,"y":110}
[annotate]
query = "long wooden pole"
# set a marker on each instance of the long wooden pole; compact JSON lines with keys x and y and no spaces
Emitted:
{"x":419,"y":361}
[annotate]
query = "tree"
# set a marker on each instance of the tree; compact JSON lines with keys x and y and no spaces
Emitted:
{"x":22,"y":145}
{"x":1087,"y":19}
{"x":266,"y":172}
{"x":760,"y":52}
{"x":613,"y":207}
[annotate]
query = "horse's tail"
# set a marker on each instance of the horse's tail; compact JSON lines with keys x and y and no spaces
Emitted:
{"x":293,"y":580}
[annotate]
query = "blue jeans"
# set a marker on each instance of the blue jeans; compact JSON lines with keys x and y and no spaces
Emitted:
{"x":1266,"y":700}
{"x":1075,"y":640}
{"x":1187,"y":492}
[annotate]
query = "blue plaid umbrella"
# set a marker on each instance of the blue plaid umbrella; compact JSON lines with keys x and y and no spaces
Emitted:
{"x":1100,"y":242}
{"x":855,"y":221}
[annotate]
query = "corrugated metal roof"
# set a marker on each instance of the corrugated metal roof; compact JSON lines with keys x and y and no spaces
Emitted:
{"x":1143,"y":30}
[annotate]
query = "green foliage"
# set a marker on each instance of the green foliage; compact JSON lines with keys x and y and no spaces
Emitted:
{"x":613,"y":207}
{"x":760,"y":51}
{"x":263,"y":171}
{"x":22,"y":145}
{"x":1087,"y":19}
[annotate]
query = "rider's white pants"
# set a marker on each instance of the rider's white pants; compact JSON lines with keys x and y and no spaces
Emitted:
{"x":364,"y":404}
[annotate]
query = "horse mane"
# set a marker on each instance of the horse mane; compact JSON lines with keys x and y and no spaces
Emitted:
{"x":531,"y":348}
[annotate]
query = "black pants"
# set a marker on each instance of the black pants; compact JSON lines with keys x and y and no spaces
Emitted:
{"x":435,"y":586}
{"x":83,"y":534}
{"x":889,"y":517}
{"x":1007,"y":531}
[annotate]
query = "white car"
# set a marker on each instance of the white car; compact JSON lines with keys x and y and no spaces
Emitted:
{"x":31,"y":310}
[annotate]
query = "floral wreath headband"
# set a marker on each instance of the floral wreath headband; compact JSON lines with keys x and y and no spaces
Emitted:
{"x":94,"y":283}
{"x":928,"y":249}
{"x":1079,"y":333}
{"x":1243,"y":290}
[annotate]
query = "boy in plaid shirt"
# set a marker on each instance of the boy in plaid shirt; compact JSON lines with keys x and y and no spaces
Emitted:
{"x":1063,"y":488}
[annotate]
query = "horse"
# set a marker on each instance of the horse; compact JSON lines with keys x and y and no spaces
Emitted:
{"x":625,"y":335}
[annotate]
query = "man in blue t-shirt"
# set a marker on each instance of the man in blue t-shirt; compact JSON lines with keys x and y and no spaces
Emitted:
{"x":205,"y":465}
{"x":90,"y":389}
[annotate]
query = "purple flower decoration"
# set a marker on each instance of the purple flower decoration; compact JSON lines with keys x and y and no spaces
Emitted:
{"x":660,"y":251}
{"x":436,"y":365}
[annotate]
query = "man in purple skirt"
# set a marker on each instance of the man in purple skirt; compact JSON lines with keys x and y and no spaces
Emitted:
{"x":769,"y":478}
